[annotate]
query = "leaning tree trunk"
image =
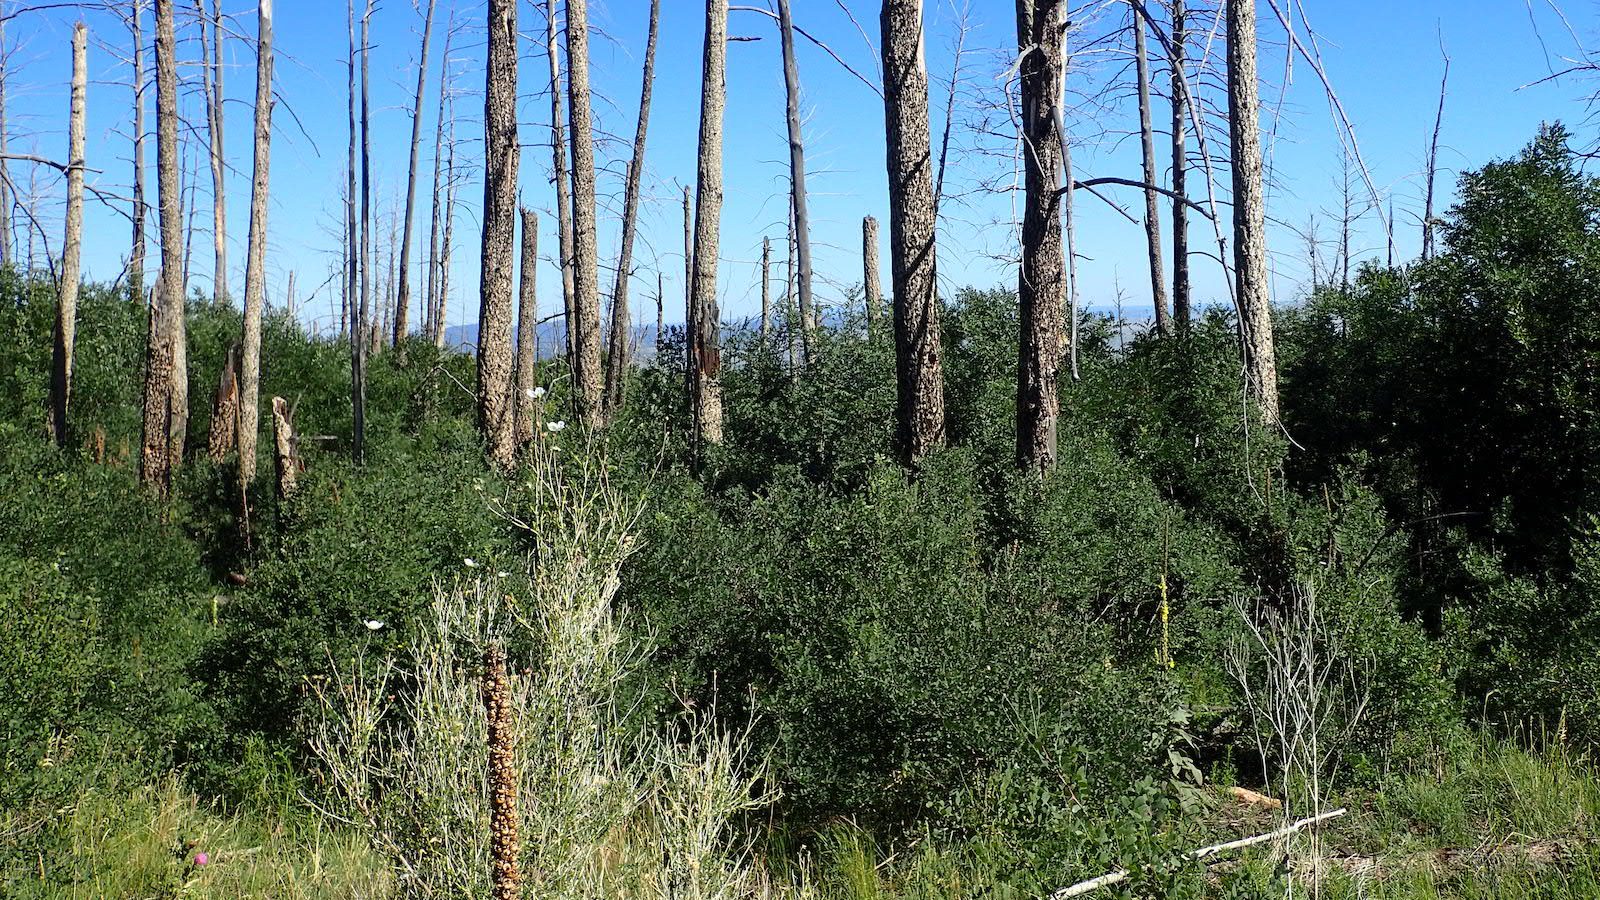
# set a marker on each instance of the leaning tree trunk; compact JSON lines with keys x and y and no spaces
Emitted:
{"x":255,"y":263}
{"x":1040,"y":281}
{"x":166,"y":388}
{"x":496,"y":416}
{"x":1147,"y":144}
{"x":871,"y":283}
{"x":797,"y":179}
{"x":617,"y":352}
{"x":211,"y":71}
{"x":66,"y":328}
{"x":1180,"y":170}
{"x":140,"y":213}
{"x":1249,"y":210}
{"x":919,"y":379}
{"x":585,"y":247}
{"x":527,"y":328}
{"x":558,"y":173}
{"x":402,"y":305}
{"x":705,"y":354}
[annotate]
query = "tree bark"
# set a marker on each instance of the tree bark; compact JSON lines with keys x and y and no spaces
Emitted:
{"x":1147,"y":143}
{"x":255,"y":262}
{"x":496,"y":416}
{"x":797,"y":179}
{"x":166,"y":392}
{"x":285,"y":456}
{"x":919,"y":378}
{"x":66,"y":327}
{"x":1041,"y":283}
{"x":527,"y":329}
{"x":402,"y":305}
{"x":705,"y":353}
{"x":558,"y":154}
{"x":140,"y":211}
{"x":1249,"y":210}
{"x":1180,"y":170}
{"x":586,"y":263}
{"x":617,"y":356}
{"x":223,"y":437}
{"x":871,"y":282}
{"x":211,"y":70}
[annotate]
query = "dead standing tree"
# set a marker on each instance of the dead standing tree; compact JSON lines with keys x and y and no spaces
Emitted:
{"x":496,"y":415}
{"x":403,"y":292}
{"x":1249,"y":211}
{"x":66,"y":327}
{"x":558,"y":174}
{"x":527,"y":329}
{"x":255,"y":259}
{"x":704,"y":333}
{"x":211,"y":74}
{"x":166,"y":388}
{"x":617,"y":352}
{"x":918,"y":372}
{"x":1147,"y":145}
{"x":585,"y":324}
{"x":1041,"y":27}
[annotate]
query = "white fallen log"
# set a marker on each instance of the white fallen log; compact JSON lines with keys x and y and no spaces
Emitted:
{"x":1110,"y":878}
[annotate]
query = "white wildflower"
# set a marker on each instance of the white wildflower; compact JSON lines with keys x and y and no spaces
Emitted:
{"x":372,"y":624}
{"x":556,"y":426}
{"x":470,"y":563}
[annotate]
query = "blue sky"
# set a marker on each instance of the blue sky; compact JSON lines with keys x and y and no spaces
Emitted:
{"x":1383,"y":59}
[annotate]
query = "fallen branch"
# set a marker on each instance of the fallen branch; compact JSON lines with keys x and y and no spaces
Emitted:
{"x":1110,"y":878}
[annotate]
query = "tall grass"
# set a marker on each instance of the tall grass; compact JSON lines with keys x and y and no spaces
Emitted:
{"x":605,"y":808}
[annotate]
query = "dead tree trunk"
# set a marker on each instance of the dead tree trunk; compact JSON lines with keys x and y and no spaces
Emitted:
{"x":527,"y":329}
{"x":585,"y":250}
{"x":496,"y":422}
{"x":1180,"y":170}
{"x":6,"y":197}
{"x":223,"y":437}
{"x":140,"y":211}
{"x":361,"y":326}
{"x":617,"y":352}
{"x":66,"y":328}
{"x":1040,"y":284}
{"x":1249,"y":210}
{"x":919,"y":378}
{"x":871,"y":283}
{"x":1147,"y":143}
{"x":431,"y":300}
{"x":797,"y":179}
{"x":286,"y":457}
{"x":211,"y":69}
{"x":766,"y":290}
{"x":558,"y":152}
{"x":705,"y":353}
{"x":402,"y":306}
{"x":1433,"y":165}
{"x":255,"y":262}
{"x":165,"y":404}
{"x":447,"y":245}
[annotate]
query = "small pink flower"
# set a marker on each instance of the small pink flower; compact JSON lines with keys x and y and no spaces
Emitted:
{"x":200,"y":859}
